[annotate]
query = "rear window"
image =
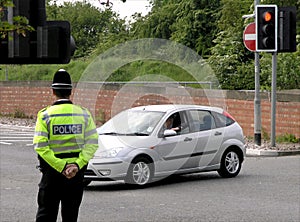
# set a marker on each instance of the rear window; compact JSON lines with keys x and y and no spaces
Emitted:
{"x":222,"y":120}
{"x":201,"y":120}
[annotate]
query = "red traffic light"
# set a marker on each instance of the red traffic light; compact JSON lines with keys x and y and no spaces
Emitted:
{"x":266,"y":28}
{"x":268,"y":16}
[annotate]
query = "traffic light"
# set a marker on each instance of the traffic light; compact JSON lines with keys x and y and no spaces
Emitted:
{"x":50,"y":42}
{"x":287,"y":29}
{"x":266,"y":28}
{"x":60,"y":45}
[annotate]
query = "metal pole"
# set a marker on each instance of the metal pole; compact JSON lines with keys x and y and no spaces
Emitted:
{"x":257,"y":103}
{"x":10,"y":14}
{"x":257,"y":100}
{"x":273,"y":99}
{"x":6,"y":73}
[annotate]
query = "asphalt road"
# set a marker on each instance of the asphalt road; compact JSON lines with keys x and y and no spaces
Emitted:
{"x":267,"y":189}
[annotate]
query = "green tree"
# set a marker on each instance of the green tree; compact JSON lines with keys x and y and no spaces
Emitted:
{"x":157,"y":24}
{"x":19,"y":24}
{"x":229,"y":59}
{"x":190,"y":22}
{"x":88,"y":23}
{"x":195,"y":24}
{"x":213,"y":28}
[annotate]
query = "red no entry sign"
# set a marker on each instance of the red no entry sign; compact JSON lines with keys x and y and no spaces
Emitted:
{"x":249,"y":37}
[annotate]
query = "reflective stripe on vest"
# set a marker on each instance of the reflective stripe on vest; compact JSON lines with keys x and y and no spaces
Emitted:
{"x":40,"y":133}
{"x":67,"y":148}
{"x":59,"y":149}
{"x":89,"y":133}
{"x":47,"y":117}
{"x":91,"y":141}
{"x":60,"y":142}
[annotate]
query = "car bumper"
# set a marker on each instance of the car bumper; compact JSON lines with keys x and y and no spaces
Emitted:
{"x":106,"y":169}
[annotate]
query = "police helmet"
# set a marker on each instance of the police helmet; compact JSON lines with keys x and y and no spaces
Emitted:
{"x":61,"y":80}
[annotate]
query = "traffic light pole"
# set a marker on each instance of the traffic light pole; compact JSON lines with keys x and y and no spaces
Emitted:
{"x":276,"y":33}
{"x":257,"y":100}
{"x":273,"y":99}
{"x":11,"y":34}
{"x":257,"y":103}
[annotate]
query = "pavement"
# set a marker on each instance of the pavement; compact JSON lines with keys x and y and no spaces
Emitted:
{"x":271,"y":153}
{"x":266,"y":149}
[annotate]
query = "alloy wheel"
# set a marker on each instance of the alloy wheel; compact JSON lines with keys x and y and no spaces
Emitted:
{"x":232,"y":162}
{"x":141,"y":173}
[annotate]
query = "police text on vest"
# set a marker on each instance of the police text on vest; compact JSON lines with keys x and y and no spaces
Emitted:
{"x":67,"y":129}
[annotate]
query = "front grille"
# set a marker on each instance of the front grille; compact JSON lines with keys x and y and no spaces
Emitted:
{"x":89,"y":173}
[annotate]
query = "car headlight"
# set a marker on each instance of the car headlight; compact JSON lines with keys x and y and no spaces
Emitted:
{"x":107,"y":153}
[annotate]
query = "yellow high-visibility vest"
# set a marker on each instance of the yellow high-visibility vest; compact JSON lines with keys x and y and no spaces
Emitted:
{"x":65,"y":129}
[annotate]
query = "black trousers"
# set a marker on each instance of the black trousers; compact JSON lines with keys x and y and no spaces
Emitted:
{"x":55,"y":189}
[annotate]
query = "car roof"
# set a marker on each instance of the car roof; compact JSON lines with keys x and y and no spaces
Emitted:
{"x":174,"y":107}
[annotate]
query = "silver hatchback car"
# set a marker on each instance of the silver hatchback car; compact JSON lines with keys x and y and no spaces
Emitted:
{"x":147,"y":143}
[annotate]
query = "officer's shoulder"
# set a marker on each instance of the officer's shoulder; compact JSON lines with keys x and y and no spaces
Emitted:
{"x":44,"y":109}
{"x":83,"y":108}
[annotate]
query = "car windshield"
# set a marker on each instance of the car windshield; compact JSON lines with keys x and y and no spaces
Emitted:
{"x":132,"y":122}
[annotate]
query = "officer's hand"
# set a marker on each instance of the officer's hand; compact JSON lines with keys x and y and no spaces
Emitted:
{"x":70,"y":171}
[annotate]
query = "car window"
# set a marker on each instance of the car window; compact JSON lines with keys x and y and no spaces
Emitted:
{"x":221,"y":120}
{"x":178,"y":122}
{"x":132,"y":122}
{"x":201,"y":120}
{"x":185,"y":128}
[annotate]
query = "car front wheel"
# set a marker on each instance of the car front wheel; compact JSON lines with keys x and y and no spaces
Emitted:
{"x":140,"y":172}
{"x":231,"y":164}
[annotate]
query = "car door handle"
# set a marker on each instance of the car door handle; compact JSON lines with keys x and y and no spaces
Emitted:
{"x":186,"y":139}
{"x":218,"y":133}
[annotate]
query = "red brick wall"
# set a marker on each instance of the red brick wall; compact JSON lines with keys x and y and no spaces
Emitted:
{"x":108,"y":99}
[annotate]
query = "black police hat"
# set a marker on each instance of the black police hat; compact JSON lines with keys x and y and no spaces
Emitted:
{"x":61,"y":80}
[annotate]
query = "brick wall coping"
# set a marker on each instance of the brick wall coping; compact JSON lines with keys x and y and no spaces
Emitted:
{"x":282,"y":96}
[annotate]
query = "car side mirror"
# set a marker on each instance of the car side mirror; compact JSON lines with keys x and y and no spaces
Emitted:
{"x":169,"y":132}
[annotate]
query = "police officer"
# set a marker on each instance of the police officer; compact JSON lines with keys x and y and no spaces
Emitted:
{"x":65,"y":139}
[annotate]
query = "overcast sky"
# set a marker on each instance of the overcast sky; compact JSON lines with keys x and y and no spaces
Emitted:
{"x":124,"y":9}
{"x":130,"y":7}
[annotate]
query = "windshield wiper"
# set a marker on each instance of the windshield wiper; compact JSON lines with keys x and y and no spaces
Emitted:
{"x":109,"y":133}
{"x":125,"y":134}
{"x":137,"y":134}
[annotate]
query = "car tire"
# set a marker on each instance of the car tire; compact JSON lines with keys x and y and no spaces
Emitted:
{"x":231,"y":164}
{"x":140,"y":172}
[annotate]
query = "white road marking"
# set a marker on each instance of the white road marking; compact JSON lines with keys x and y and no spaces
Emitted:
{"x":5,"y":143}
{"x":15,"y":134}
